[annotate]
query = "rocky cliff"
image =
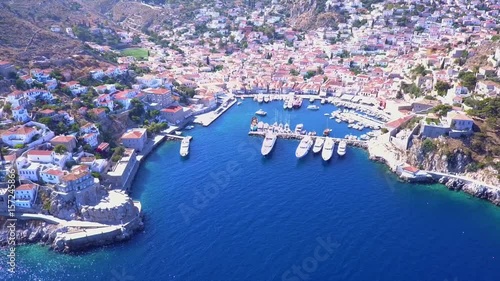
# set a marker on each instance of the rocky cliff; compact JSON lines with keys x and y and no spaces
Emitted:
{"x":448,"y":156}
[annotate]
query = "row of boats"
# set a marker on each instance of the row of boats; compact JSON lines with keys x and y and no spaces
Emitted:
{"x":325,"y":145}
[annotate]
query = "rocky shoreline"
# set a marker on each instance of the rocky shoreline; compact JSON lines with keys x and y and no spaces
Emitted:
{"x":391,"y":158}
{"x":53,"y":235}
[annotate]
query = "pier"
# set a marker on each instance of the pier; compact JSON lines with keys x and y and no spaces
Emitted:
{"x":357,"y":143}
{"x":206,"y":119}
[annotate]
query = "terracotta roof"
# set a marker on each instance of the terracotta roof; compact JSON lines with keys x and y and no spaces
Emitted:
{"x":36,"y":152}
{"x":54,"y":172}
{"x":63,"y":138}
{"x":21,"y":130}
{"x":27,"y":186}
{"x":159,"y":91}
{"x":172,"y":109}
{"x":398,"y":122}
{"x":411,"y":169}
{"x":77,"y":172}
{"x":135,"y":134}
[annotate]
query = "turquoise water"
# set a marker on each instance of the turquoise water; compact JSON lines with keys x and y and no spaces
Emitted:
{"x":226,"y":213}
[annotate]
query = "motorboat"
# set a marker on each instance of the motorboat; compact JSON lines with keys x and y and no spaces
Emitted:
{"x":261,"y":112}
{"x":239,"y":103}
{"x":327,"y":151}
{"x":318,"y":144}
{"x":304,"y":147}
{"x":327,"y":132}
{"x":178,"y":133}
{"x":190,"y":127}
{"x":289,"y":104}
{"x":266,"y":99}
{"x":268,"y":144}
{"x":342,"y":148}
{"x":312,"y":107}
{"x":311,"y":100}
{"x":323,"y":101}
{"x":298,"y":128}
{"x":184,"y":151}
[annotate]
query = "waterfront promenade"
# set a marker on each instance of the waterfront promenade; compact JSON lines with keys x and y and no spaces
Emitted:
{"x":208,"y":118}
{"x":54,"y":220}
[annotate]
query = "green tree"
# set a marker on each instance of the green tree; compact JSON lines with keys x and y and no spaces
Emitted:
{"x":7,"y":108}
{"x":428,"y":146}
{"x":442,"y":109}
{"x":441,"y":87}
{"x":45,"y":120}
{"x":468,"y":80}
{"x":60,"y":149}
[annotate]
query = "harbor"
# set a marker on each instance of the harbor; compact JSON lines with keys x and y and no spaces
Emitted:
{"x":292,"y":136}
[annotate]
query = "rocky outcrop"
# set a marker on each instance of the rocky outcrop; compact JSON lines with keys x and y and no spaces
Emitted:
{"x":31,"y":231}
{"x":438,"y":158}
{"x":476,"y":190}
{"x":117,"y":207}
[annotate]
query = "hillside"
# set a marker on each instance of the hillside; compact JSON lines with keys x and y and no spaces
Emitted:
{"x":32,"y":37}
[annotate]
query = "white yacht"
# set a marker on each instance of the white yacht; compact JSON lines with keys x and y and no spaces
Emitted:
{"x":261,"y":112}
{"x":342,"y":148}
{"x":312,"y":107}
{"x":284,"y":104}
{"x":289,"y":104}
{"x":304,"y":147}
{"x":327,"y":152}
{"x":184,"y":151}
{"x":311,"y":100}
{"x":268,"y":144}
{"x":266,"y":99}
{"x":323,"y":101}
{"x":318,"y":144}
{"x":298,"y":129}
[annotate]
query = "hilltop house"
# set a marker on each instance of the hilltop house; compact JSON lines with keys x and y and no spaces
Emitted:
{"x":68,"y":141}
{"x":25,"y":195}
{"x":162,"y":97}
{"x":455,"y":124}
{"x":77,"y":179}
{"x":19,"y":135}
{"x":135,"y":138}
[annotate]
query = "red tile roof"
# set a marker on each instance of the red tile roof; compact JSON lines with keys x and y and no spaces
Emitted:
{"x":27,"y":186}
{"x":172,"y":109}
{"x":36,"y":152}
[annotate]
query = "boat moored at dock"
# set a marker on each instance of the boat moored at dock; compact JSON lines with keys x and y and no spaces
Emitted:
{"x":327,"y":151}
{"x":342,"y":148}
{"x":318,"y":144}
{"x":268,"y":144}
{"x":304,"y":147}
{"x":184,"y":151}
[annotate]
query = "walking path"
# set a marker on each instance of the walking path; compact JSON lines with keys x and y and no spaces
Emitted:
{"x":54,"y":220}
{"x":465,"y":179}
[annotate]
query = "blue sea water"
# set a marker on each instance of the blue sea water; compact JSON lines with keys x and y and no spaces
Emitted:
{"x":226,"y":213}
